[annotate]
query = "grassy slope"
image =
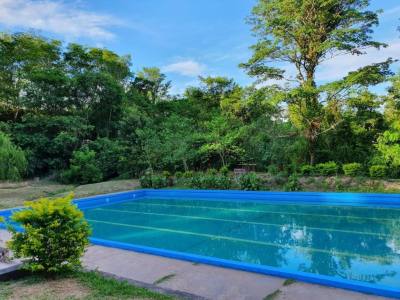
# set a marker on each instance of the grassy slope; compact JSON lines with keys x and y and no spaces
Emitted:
{"x":14,"y":194}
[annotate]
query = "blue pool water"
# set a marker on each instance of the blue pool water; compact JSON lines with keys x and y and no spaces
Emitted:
{"x":338,"y":239}
{"x":360,"y":243}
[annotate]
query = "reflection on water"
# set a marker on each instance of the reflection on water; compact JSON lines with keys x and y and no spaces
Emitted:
{"x":359,"y":243}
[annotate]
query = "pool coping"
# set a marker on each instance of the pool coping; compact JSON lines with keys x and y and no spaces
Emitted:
{"x":347,"y":199}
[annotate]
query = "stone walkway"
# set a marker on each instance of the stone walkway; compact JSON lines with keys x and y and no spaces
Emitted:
{"x":198,"y":281}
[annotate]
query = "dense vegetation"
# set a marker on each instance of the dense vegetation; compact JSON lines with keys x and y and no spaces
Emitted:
{"x":81,"y":114}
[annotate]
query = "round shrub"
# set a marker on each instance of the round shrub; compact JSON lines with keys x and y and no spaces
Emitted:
{"x":353,"y":169}
{"x":55,"y":235}
{"x":306,"y":170}
{"x":250,"y":182}
{"x":378,"y":171}
{"x":224,"y":170}
{"x":178,"y":175}
{"x":326,"y":169}
{"x":13,"y":163}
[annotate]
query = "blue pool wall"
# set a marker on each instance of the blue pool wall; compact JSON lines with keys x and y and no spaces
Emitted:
{"x":312,"y":198}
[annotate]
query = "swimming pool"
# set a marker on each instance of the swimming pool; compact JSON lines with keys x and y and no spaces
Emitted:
{"x":345,"y":240}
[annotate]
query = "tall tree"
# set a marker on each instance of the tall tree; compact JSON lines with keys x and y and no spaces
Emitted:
{"x":303,"y":34}
{"x":389,"y":142}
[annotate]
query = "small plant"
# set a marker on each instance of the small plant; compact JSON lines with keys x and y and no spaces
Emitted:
{"x":353,"y":169}
{"x":55,"y":235}
{"x":212,"y":171}
{"x":326,"y":169}
{"x":146,"y":180}
{"x":224,"y":170}
{"x":293,"y":184}
{"x":378,"y":171}
{"x":188,"y":174}
{"x":250,"y":182}
{"x":307,"y":170}
{"x":178,"y":175}
{"x":168,"y":177}
{"x":159,"y":181}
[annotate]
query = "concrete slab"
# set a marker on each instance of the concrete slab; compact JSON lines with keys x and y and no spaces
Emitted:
{"x":207,"y":281}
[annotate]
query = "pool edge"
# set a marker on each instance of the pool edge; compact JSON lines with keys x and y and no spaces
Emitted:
{"x":351,"y":199}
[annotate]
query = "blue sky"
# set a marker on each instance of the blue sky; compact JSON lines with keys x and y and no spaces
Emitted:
{"x":185,"y":38}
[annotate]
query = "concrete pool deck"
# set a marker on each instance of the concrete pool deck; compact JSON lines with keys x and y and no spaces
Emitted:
{"x":198,"y":281}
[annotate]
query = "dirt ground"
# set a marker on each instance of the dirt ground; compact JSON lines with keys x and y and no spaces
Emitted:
{"x":14,"y":194}
{"x":68,"y":288}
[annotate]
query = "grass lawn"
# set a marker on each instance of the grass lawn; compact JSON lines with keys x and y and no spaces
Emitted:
{"x":78,"y":285}
{"x":14,"y":194}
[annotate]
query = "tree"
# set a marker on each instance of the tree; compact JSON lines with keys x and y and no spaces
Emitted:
{"x":12,"y":160}
{"x":389,"y":142}
{"x":152,"y":83}
{"x":304,"y":34}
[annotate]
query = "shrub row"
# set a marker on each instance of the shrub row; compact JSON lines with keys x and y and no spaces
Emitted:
{"x":211,"y":179}
{"x":351,"y":169}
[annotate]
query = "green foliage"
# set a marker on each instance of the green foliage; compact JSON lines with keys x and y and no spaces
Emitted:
{"x":159,"y":181}
{"x":156,"y":181}
{"x":81,"y":113}
{"x":224,"y":170}
{"x":293,"y":184}
{"x":55,"y":235}
{"x":378,"y":171}
{"x":146,"y":181}
{"x":307,"y":170}
{"x":250,"y":182}
{"x":353,"y":169}
{"x":326,"y":169}
{"x":84,"y":168}
{"x":210,"y":181}
{"x":13,"y":163}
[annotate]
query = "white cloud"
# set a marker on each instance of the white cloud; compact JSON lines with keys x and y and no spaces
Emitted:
{"x":340,"y":66}
{"x":189,"y":68}
{"x":57,"y":17}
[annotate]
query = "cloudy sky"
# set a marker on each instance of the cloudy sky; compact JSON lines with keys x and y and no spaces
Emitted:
{"x":185,"y":38}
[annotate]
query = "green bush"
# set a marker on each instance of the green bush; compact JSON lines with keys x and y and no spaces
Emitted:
{"x":13,"y":163}
{"x":293,"y":184}
{"x":145,"y":181}
{"x":212,"y":171}
{"x":326,"y":169}
{"x":55,"y":235}
{"x":378,"y":171}
{"x":224,"y":170}
{"x":83,"y":168}
{"x":159,"y":181}
{"x":188,"y":174}
{"x":353,"y":169}
{"x":250,"y":182}
{"x":156,"y":181}
{"x":307,"y":170}
{"x":178,"y":175}
{"x":210,"y":181}
{"x":109,"y":157}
